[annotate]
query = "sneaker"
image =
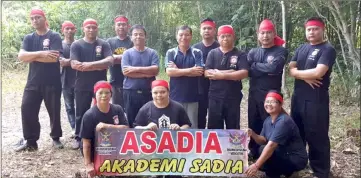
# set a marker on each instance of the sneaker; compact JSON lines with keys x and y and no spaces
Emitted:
{"x":75,"y":145}
{"x":57,"y":144}
{"x":24,"y":145}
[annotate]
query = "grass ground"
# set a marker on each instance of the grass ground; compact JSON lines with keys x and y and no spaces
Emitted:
{"x":47,"y":162}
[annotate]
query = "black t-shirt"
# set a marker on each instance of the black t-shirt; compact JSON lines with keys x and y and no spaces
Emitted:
{"x":236,"y":60}
{"x":94,"y":116}
{"x":174,"y":113}
{"x":203,"y":81}
{"x":266,"y":68}
{"x":286,"y":134}
{"x":89,"y":52}
{"x":43,"y":74}
{"x":67,"y":74}
{"x":118,"y":47}
{"x":307,"y":57}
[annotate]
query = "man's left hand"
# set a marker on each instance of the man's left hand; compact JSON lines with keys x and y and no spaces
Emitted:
{"x":252,"y":170}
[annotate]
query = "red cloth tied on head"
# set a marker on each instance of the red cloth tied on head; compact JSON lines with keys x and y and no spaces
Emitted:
{"x":162,"y":83}
{"x":267,"y":25}
{"x":121,"y":19}
{"x":90,"y":22}
{"x":99,"y":85}
{"x":39,"y":12}
{"x":314,"y":23}
{"x":276,"y":96}
{"x":67,"y":24}
{"x":225,"y":29}
{"x":210,"y":23}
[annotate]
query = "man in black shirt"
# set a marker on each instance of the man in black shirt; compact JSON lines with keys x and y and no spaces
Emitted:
{"x":67,"y":73}
{"x":225,"y":67}
{"x":266,"y":67}
{"x":99,"y":117}
{"x":312,"y":66}
{"x":90,"y":57}
{"x":41,"y":49}
{"x":162,"y":112}
{"x":119,"y":44}
{"x":208,"y":33}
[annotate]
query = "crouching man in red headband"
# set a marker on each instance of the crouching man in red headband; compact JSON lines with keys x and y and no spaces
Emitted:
{"x":282,"y":151}
{"x":162,"y":112}
{"x":100,"y":116}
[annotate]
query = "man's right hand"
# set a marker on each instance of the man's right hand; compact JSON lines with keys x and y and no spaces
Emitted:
{"x":90,"y":172}
{"x":314,"y":83}
{"x":152,"y":126}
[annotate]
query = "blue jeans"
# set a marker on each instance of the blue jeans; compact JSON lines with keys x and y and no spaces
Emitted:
{"x":69,"y":98}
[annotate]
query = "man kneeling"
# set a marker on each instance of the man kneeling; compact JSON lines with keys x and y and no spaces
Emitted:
{"x":162,"y":112}
{"x":102,"y":115}
{"x":282,"y":151}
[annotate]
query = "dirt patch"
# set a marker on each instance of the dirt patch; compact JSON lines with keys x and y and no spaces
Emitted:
{"x":49,"y":162}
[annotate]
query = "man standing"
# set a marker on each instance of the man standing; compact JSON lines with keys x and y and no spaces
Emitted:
{"x":266,"y":68}
{"x":312,"y":66}
{"x":208,"y":33}
{"x":119,"y":44}
{"x":140,"y":65}
{"x":226,"y":66}
{"x":67,"y":73}
{"x":41,"y":49}
{"x":90,"y":57}
{"x":184,"y":66}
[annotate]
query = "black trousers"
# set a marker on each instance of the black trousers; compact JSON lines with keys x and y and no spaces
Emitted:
{"x":117,"y":95}
{"x":256,"y":116}
{"x":312,"y":117}
{"x":281,"y":163}
{"x":134,"y":100}
{"x":69,"y":100}
{"x":202,"y":111}
{"x":223,"y":110}
{"x":30,"y":108}
{"x":83,"y":101}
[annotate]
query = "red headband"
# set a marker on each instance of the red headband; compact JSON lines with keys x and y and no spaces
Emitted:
{"x":67,"y":24}
{"x":90,"y":22}
{"x":162,"y":83}
{"x":210,"y":23}
{"x":225,"y":29}
{"x":99,"y":85}
{"x":267,"y":25}
{"x":121,"y":19}
{"x":39,"y":12}
{"x":276,"y":96}
{"x":314,"y":23}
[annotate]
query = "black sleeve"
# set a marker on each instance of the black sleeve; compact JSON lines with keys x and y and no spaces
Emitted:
{"x":183,"y":117}
{"x":107,"y":51}
{"x":142,"y":117}
{"x":56,"y":43}
{"x":275,"y":67}
{"x":87,"y":129}
{"x":210,"y":61}
{"x":169,"y":56}
{"x":75,"y":51}
{"x":294,"y":58}
{"x":281,"y":132}
{"x":26,"y":45}
{"x":242,"y":63}
{"x":122,"y":117}
{"x":328,"y":57}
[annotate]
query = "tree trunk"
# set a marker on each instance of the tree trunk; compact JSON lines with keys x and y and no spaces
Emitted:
{"x":284,"y":34}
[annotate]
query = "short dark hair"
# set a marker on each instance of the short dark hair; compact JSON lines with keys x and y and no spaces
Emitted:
{"x":276,"y":91}
{"x":315,"y":18}
{"x":184,"y":27}
{"x":207,"y":19}
{"x":138,"y":27}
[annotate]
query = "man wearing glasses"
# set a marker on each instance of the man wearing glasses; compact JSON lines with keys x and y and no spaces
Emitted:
{"x":226,"y":66}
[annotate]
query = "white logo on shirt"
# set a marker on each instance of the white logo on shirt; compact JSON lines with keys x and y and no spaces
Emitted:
{"x":116,"y":120}
{"x":313,"y":54}
{"x":164,"y":122}
{"x":270,"y":59}
{"x":46,"y":43}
